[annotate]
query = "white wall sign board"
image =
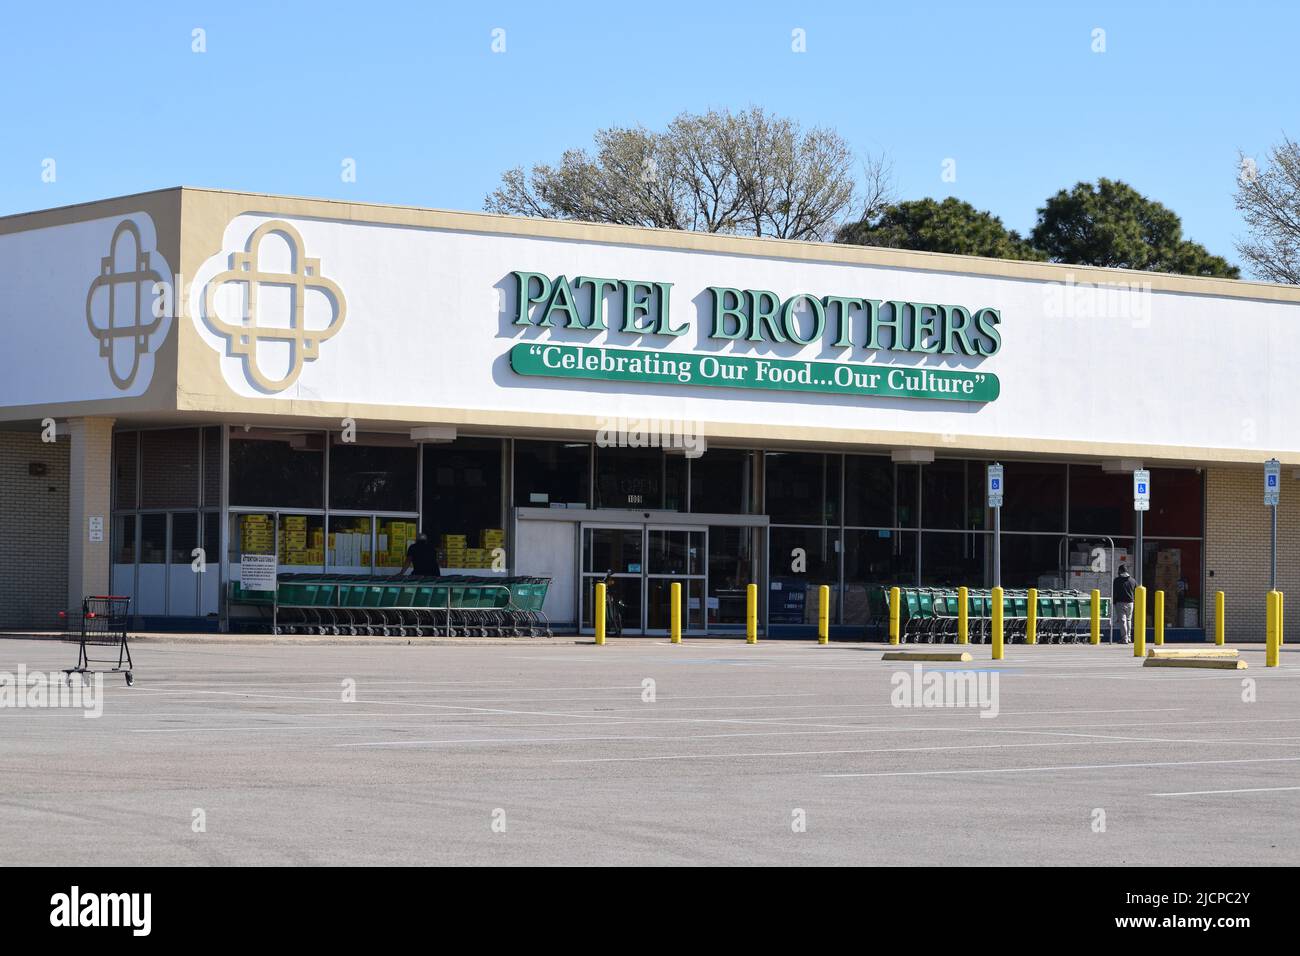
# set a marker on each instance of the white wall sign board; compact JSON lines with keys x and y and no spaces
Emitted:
{"x":79,"y":306}
{"x":424,"y":318}
{"x":257,"y":572}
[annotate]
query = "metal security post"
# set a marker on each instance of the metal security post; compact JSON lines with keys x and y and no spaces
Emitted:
{"x":1218,"y":618}
{"x":675,"y":613}
{"x":751,"y":613}
{"x":1031,"y":617}
{"x":1160,"y":618}
{"x":1094,"y":635}
{"x":895,"y":596}
{"x":600,"y":612}
{"x":824,"y":614}
{"x":1139,"y":621}
{"x":963,"y":616}
{"x":997,"y":623}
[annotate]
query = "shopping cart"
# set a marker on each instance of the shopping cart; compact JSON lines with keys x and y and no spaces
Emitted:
{"x":103,"y":624}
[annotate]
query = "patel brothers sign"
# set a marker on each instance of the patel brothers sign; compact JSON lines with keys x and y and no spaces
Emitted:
{"x":641,"y":308}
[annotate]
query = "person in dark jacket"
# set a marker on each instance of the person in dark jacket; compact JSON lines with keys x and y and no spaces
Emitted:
{"x":422,"y":558}
{"x":1122,"y":592}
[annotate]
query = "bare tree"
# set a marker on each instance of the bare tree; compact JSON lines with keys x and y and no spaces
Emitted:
{"x":1269,"y":202}
{"x":745,"y":173}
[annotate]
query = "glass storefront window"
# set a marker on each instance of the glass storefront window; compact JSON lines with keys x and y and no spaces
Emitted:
{"x":552,"y":473}
{"x":952,"y":559}
{"x":125,"y":470}
{"x":906,"y":479}
{"x":1030,"y":560}
{"x":392,"y":537}
{"x":462,"y":501}
{"x":372,"y":477}
{"x":302,"y":542}
{"x":1177,"y":503}
{"x":284,"y":469}
{"x":348,"y":544}
{"x":639,"y":478}
{"x":153,"y":539}
{"x":1035,"y":497}
{"x":803,"y":488}
{"x":1100,"y":503}
{"x":943,"y":491}
{"x":169,"y":468}
{"x":185,"y":537}
{"x":868,"y":491}
{"x":124,"y":539}
{"x":800,"y":560}
{"x":731,"y":570}
{"x":212,"y":467}
{"x":721,"y":481}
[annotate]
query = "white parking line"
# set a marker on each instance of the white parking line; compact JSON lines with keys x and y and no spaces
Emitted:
{"x":1096,"y":766}
{"x":1198,"y":793}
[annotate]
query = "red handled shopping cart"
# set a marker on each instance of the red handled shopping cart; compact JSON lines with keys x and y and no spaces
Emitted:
{"x":104,"y":621}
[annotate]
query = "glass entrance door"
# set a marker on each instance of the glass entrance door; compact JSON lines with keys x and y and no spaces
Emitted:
{"x":640,"y":563}
{"x":675,"y":555}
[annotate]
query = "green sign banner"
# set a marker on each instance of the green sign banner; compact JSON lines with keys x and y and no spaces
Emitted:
{"x":729,"y":371}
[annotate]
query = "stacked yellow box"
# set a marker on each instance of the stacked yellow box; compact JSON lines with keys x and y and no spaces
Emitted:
{"x":453,"y":550}
{"x":490,"y":538}
{"x":256,"y":534}
{"x":477,"y":558}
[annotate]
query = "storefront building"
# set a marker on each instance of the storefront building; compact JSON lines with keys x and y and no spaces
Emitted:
{"x":192,"y":375}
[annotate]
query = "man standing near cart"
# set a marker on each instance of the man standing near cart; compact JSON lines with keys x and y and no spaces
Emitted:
{"x":422,"y":558}
{"x":1122,"y":593}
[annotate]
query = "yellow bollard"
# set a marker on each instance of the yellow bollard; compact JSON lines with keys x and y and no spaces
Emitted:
{"x":751,"y":614}
{"x":997,"y":624}
{"x":1094,"y":635}
{"x":963,"y":616}
{"x":1218,"y":618}
{"x":895,"y":596}
{"x":1271,"y":629}
{"x":600,"y":612}
{"x":1031,"y":617}
{"x":1281,"y":619}
{"x":675,"y":613}
{"x":1140,"y":621}
{"x":1159,"y":620}
{"x":824,"y":614}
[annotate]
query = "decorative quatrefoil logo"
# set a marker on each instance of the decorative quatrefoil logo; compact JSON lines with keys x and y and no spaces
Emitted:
{"x":124,"y":333}
{"x":258,"y":287}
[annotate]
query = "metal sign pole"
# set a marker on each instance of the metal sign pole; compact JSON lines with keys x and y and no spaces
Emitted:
{"x":1141,"y":502}
{"x":996,"y":488}
{"x":1272,"y":496}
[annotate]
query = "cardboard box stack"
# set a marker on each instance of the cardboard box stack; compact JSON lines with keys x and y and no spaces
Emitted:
{"x":294,"y":543}
{"x":453,"y":550}
{"x":395,"y":536}
{"x":256,"y":534}
{"x":1169,"y":568}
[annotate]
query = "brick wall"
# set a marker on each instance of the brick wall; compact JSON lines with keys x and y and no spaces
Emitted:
{"x":33,"y":531}
{"x":1237,"y":549}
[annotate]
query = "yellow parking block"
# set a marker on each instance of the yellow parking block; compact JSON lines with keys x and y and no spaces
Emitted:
{"x":926,"y":656}
{"x":1218,"y":663}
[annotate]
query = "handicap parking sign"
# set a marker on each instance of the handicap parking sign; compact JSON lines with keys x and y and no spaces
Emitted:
{"x":995,"y":486}
{"x":1272,"y":482}
{"x":1141,"y":490}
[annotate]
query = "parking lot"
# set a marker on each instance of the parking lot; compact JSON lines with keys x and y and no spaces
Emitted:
{"x":640,"y":752}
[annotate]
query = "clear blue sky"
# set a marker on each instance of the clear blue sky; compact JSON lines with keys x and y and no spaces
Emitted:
{"x":412,"y":91}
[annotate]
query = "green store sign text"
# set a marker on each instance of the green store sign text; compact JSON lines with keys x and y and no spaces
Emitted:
{"x":643,"y":308}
